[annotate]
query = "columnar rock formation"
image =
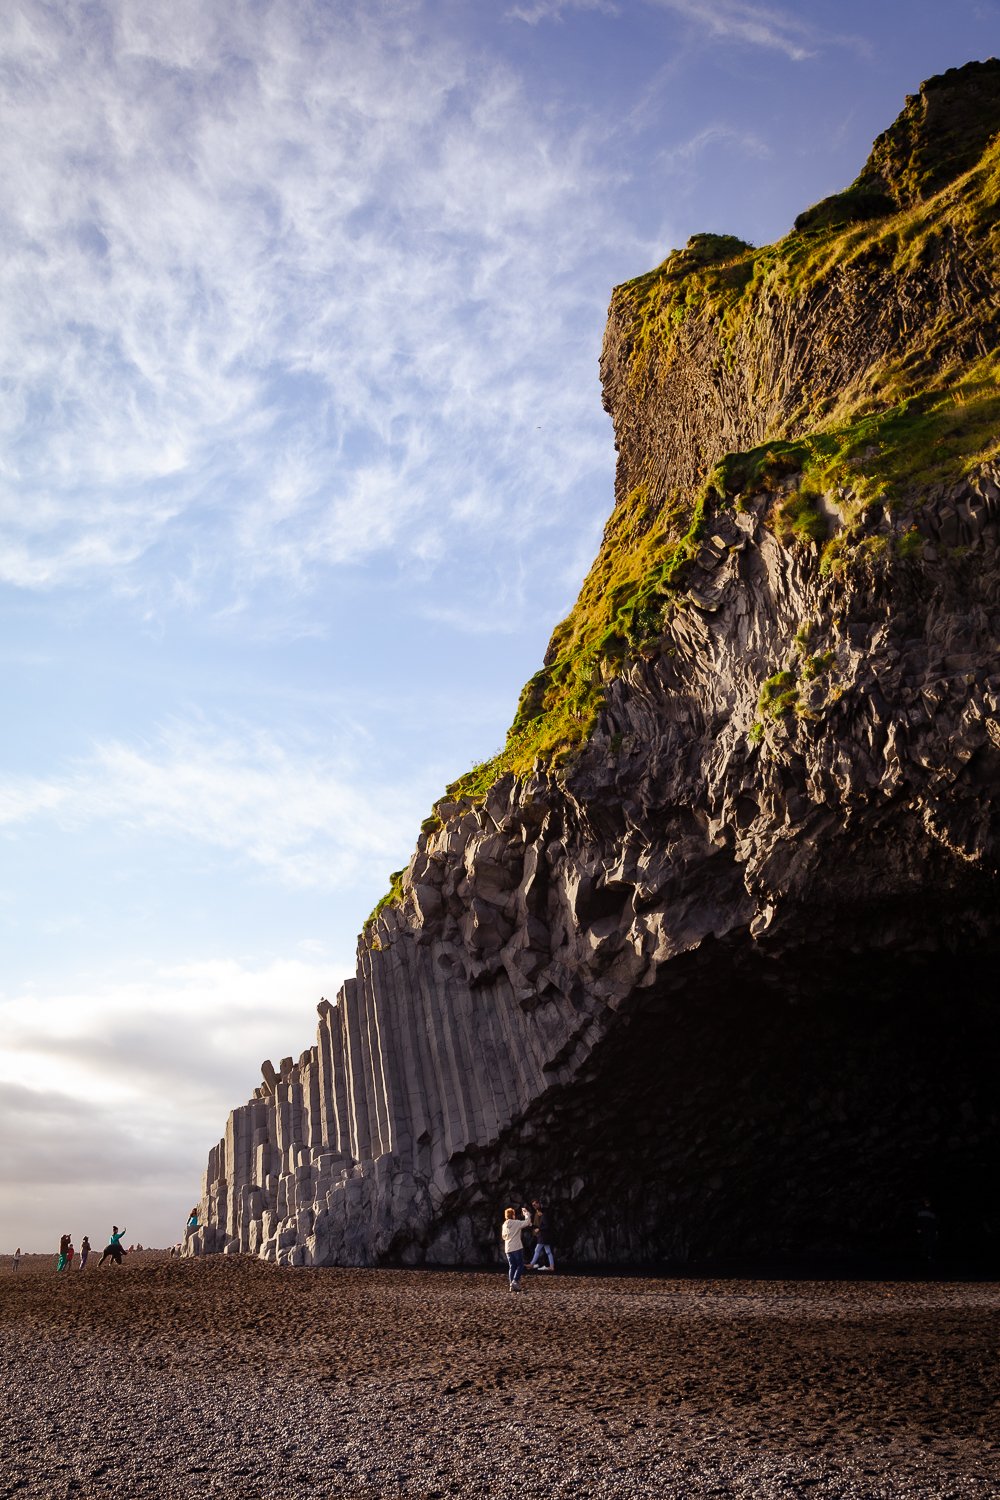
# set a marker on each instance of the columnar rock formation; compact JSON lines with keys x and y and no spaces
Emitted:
{"x":706,"y":956}
{"x":349,"y":1153}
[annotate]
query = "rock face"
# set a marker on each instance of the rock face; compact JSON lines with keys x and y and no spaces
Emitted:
{"x":716,"y":972}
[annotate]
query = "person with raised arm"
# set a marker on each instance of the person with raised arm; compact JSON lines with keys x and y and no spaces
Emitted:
{"x":113,"y":1248}
{"x":511,"y":1231}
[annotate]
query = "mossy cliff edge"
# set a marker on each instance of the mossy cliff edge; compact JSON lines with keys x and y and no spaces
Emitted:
{"x":706,"y":953}
{"x":834,"y":379}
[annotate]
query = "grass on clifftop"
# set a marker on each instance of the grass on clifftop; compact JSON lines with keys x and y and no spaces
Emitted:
{"x":929,"y":415}
{"x":640,"y":565}
{"x":890,"y":455}
{"x":721,"y":278}
{"x":883,"y":457}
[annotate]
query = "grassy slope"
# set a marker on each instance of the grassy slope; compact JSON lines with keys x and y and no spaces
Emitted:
{"x":914,"y":422}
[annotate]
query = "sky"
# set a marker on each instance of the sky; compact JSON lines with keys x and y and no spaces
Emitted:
{"x":302,"y":457}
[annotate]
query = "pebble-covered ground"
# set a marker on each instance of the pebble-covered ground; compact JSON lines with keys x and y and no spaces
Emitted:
{"x":232,"y":1378}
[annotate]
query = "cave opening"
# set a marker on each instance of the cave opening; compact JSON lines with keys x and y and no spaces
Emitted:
{"x":799,"y":1109}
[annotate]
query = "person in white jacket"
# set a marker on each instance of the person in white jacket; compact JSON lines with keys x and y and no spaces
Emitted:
{"x":511,"y":1231}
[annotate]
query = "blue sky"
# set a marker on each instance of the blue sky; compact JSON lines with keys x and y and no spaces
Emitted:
{"x":303,"y":456}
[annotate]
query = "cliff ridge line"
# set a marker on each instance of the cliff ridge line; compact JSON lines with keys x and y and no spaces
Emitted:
{"x":741,"y":848}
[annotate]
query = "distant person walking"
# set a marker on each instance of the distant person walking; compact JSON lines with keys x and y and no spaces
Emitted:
{"x":84,"y":1252}
{"x":63,"y":1252}
{"x":543,"y":1237}
{"x":16,"y":1262}
{"x":511,"y":1231}
{"x":70,"y":1252}
{"x":113,"y":1248}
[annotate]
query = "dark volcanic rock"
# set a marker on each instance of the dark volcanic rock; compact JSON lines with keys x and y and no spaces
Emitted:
{"x":717,"y":975}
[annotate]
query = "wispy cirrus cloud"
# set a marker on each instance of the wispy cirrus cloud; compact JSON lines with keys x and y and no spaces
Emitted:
{"x":305,"y":817}
{"x":736,"y":21}
{"x":553,"y":10}
{"x":772,"y":27}
{"x":283,"y":285}
{"x":745,"y":141}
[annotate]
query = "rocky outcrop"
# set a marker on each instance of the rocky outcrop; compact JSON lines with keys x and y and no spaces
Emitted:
{"x":721,"y":978}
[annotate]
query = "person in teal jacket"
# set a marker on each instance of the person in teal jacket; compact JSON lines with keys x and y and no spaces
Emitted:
{"x":113,"y":1247}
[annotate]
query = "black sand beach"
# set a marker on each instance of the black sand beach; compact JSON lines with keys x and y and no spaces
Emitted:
{"x":230,"y":1377}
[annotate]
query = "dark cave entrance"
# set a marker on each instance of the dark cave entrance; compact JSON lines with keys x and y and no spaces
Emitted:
{"x":795,"y":1109}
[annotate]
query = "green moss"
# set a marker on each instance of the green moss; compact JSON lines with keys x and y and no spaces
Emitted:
{"x":814,"y":666}
{"x":873,"y":552}
{"x":886,"y":456}
{"x":392,"y":897}
{"x":708,"y":276}
{"x":639,"y":570}
{"x":856,"y":205}
{"x":778,"y":696}
{"x":797,"y":518}
{"x":928,"y":414}
{"x":910,"y":546}
{"x":761,"y":469}
{"x":940,"y":133}
{"x":835,"y":556}
{"x":725,"y":286}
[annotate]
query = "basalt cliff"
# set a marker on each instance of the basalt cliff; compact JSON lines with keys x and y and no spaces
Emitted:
{"x":707,"y":955}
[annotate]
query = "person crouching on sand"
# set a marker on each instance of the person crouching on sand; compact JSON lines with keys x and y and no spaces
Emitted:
{"x":113,"y":1247}
{"x":511,"y":1231}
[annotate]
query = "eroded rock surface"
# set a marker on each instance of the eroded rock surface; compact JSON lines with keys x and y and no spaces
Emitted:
{"x":724,"y":982}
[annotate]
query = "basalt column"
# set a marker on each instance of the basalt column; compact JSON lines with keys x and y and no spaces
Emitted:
{"x":706,"y":955}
